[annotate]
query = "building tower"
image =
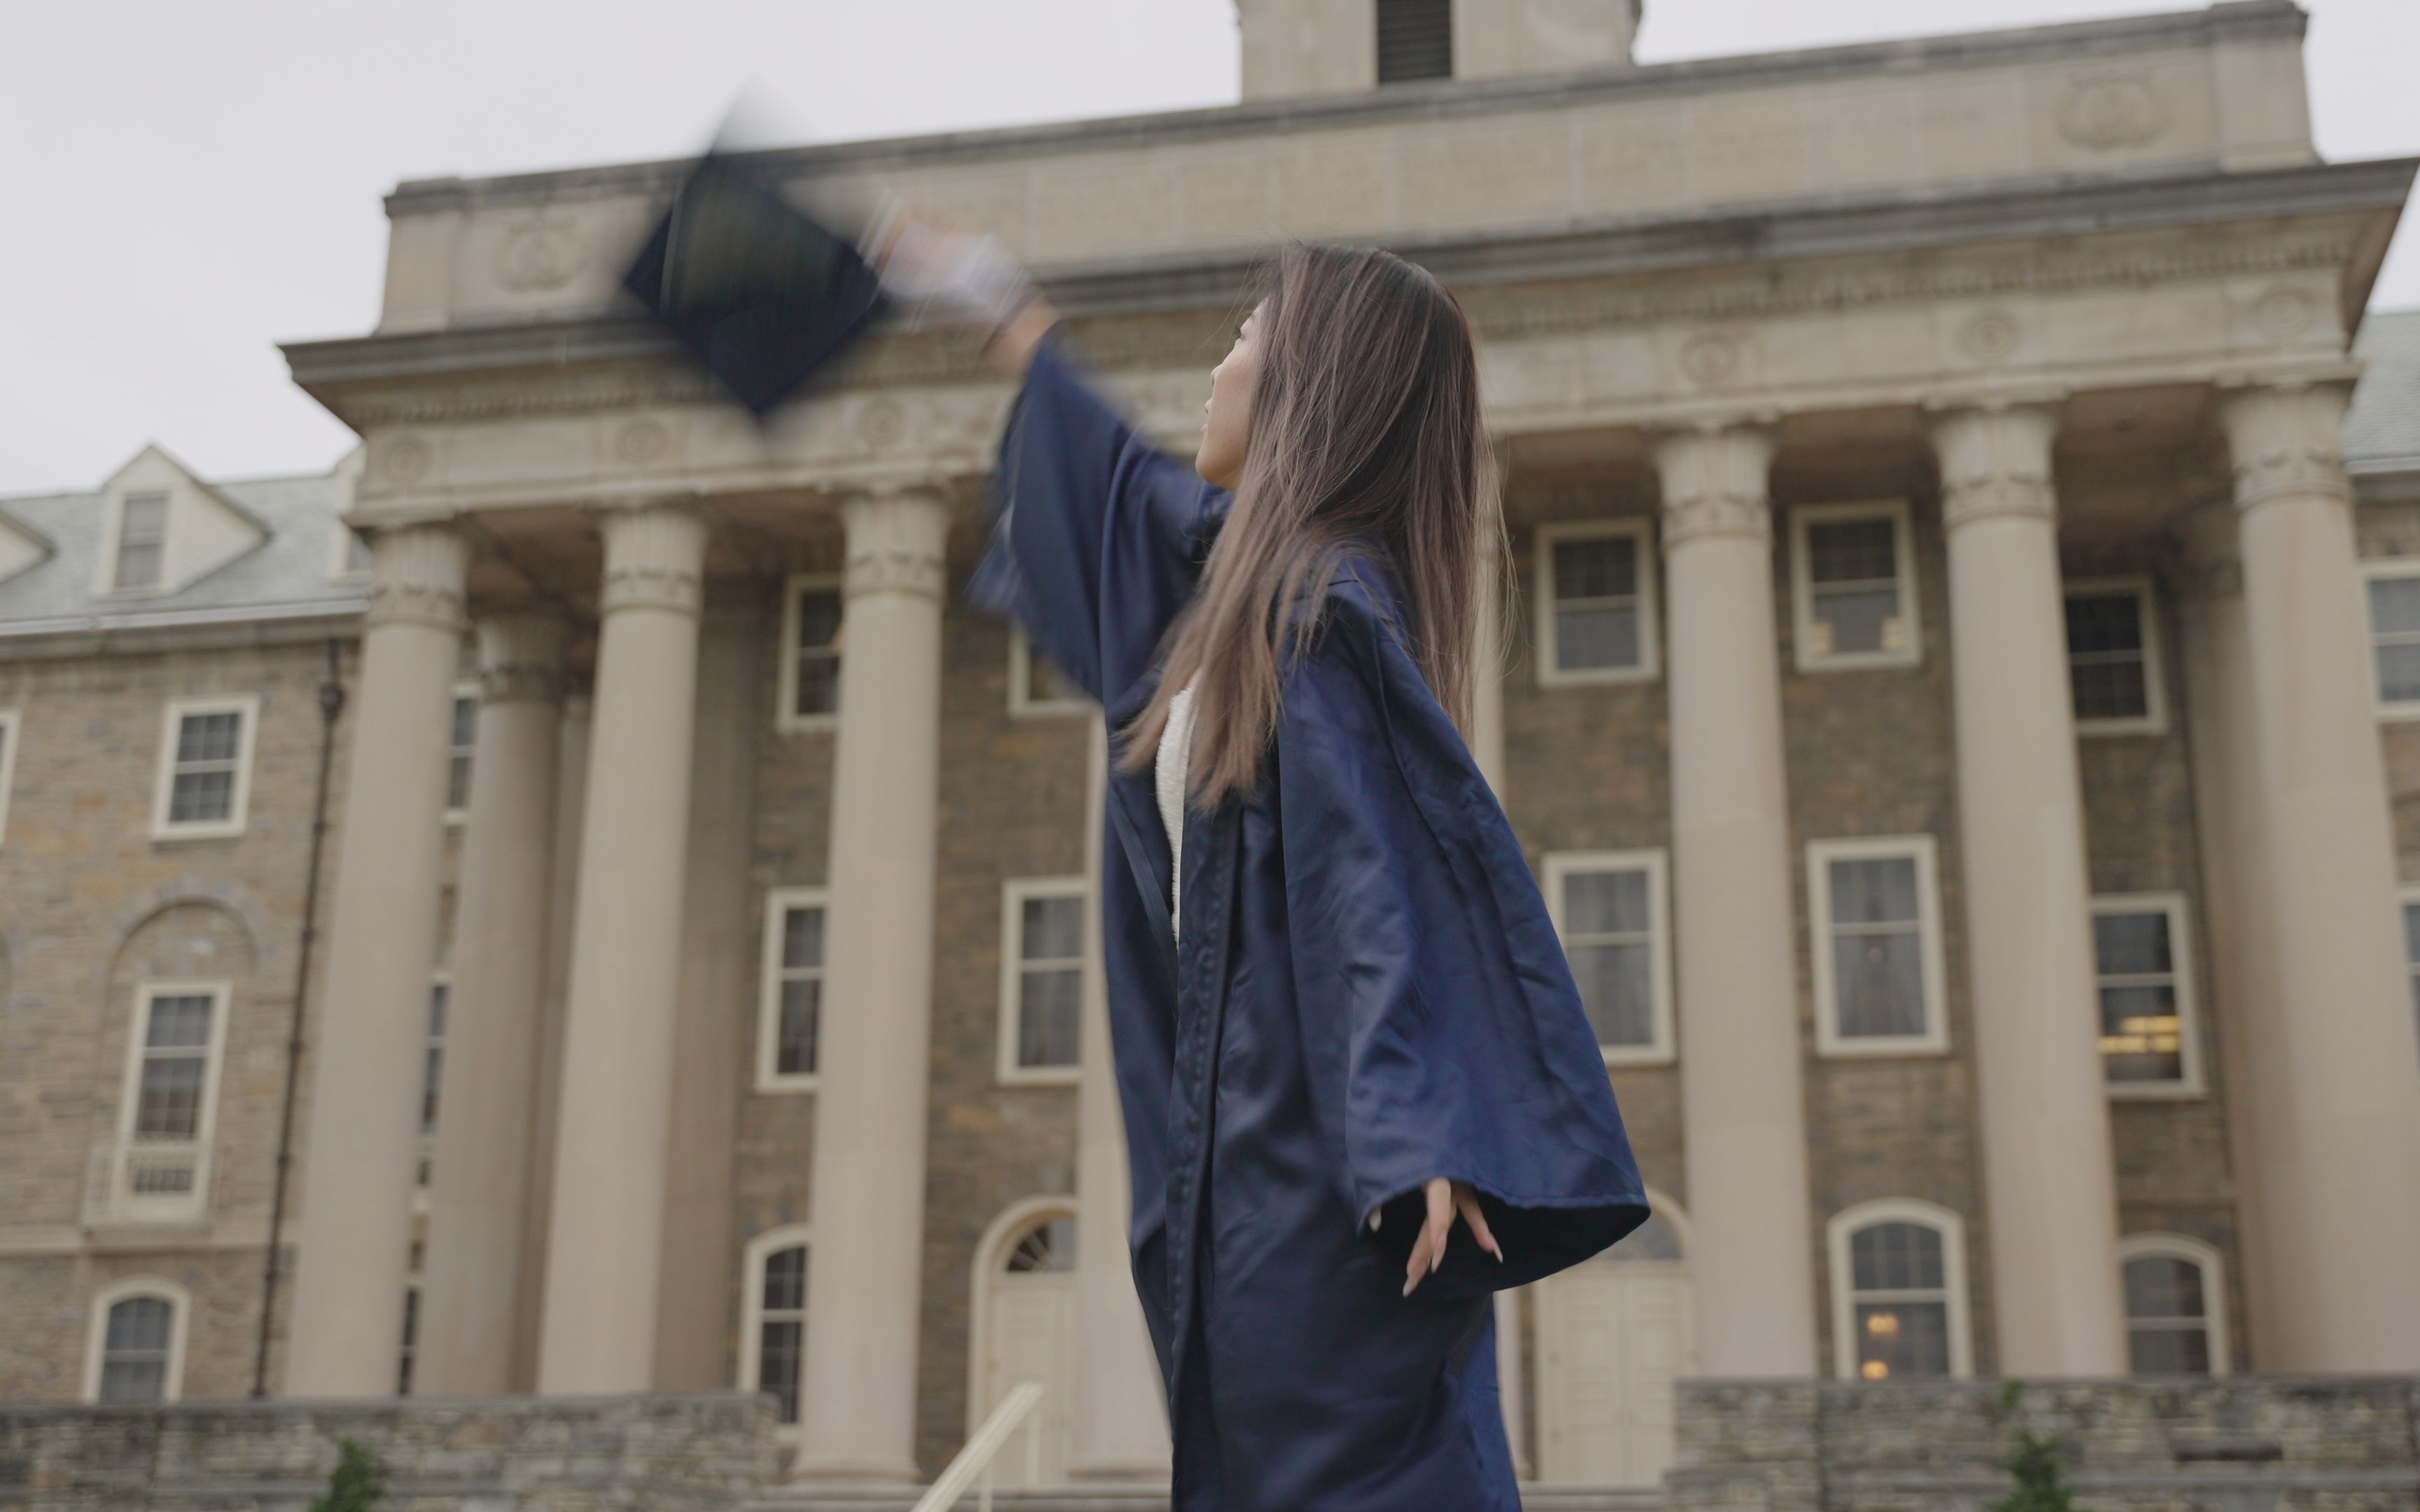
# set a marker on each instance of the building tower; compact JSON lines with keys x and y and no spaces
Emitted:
{"x":1297,"y":48}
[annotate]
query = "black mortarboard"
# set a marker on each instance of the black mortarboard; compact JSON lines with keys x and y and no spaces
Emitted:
{"x":763,"y":293}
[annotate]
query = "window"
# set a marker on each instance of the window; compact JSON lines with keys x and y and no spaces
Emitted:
{"x":2412,"y":946}
{"x":170,"y":1100}
{"x":142,"y":547}
{"x":1853,"y":574}
{"x":1877,"y":925}
{"x":411,"y":1349}
{"x":811,"y":640}
{"x":773,"y":1335}
{"x":9,"y":725}
{"x":463,"y":735}
{"x":1899,"y":1292}
{"x":791,"y":997}
{"x":2149,"y":1046}
{"x":205,"y":768}
{"x":432,"y":1068}
{"x":2176,"y":1305}
{"x":1035,"y":684}
{"x":1414,"y":41}
{"x":1608,"y":907}
{"x":2395,"y":636}
{"x":1042,"y":978}
{"x":2113,"y":659}
{"x":135,"y":1353}
{"x":1596,"y":603}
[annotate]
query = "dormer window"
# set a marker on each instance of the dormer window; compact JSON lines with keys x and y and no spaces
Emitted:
{"x":1414,"y":41}
{"x":142,"y":542}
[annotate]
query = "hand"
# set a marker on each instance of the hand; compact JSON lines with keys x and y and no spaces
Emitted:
{"x":927,"y":260}
{"x":1445,"y":1198}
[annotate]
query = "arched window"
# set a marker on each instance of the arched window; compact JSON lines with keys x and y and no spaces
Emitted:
{"x":774,"y":1340}
{"x":1899,"y":1292}
{"x":2176,"y":1305}
{"x":136,"y":1353}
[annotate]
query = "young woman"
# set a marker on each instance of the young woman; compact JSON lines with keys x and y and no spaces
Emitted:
{"x":1360,"y":1092}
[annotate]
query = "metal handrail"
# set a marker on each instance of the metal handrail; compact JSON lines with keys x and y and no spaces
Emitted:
{"x":1014,"y":1410}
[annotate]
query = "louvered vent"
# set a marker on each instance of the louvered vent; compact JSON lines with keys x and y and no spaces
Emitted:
{"x":1414,"y":41}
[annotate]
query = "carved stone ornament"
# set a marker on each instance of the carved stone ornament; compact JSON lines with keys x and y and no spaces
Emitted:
{"x":641,"y":441}
{"x":1710,"y":359}
{"x":655,"y":558}
{"x":416,"y":578}
{"x":651,"y":585}
{"x":405,"y":459}
{"x":2284,"y":314}
{"x":1714,"y":484}
{"x":882,"y":422}
{"x":414,"y":603}
{"x":539,"y":255}
{"x":897,"y":543}
{"x":1989,"y":337}
{"x":2113,"y":110}
{"x":2288,"y":442}
{"x":1996,"y":463}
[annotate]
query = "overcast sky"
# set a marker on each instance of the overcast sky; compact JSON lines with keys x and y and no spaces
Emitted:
{"x":184,"y":185}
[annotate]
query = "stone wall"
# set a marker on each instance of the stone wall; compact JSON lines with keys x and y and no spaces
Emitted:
{"x":2239,"y":1444}
{"x":465,"y":1455}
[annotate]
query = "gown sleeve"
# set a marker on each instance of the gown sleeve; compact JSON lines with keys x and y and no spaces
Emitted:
{"x":1446,"y":1035}
{"x":1097,"y":535}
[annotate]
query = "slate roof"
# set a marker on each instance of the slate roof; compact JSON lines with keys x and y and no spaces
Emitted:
{"x":291,"y":568}
{"x":2382,"y":432}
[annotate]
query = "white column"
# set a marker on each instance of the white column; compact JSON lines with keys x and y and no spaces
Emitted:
{"x":2049,"y":1177}
{"x":1742,"y":1099}
{"x":361,"y":1150}
{"x":604,"y":1250}
{"x":864,"y":1276}
{"x":2336,"y":1101}
{"x":1121,"y":1418}
{"x":480,"y":1187}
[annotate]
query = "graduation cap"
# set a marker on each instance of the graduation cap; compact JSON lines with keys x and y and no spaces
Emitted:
{"x":765,"y":295}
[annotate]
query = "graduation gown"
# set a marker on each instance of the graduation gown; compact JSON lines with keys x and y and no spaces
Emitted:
{"x":1369,"y":993}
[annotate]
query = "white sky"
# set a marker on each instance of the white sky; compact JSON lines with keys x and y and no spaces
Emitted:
{"x":182,"y":185}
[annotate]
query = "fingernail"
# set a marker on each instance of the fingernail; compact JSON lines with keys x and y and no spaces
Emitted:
{"x":1374,"y":1215}
{"x":1409,"y":1282}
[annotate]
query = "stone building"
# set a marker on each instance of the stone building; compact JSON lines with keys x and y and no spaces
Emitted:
{"x":1959,"y":691}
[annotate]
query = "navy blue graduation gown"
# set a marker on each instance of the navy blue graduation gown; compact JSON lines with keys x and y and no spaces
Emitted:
{"x":1369,"y":993}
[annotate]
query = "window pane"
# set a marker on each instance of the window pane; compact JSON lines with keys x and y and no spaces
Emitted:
{"x":2141,"y":1035}
{"x":138,"y":565}
{"x":1596,"y":568}
{"x":819,"y":616}
{"x":2163,"y":1286}
{"x":139,"y":1325}
{"x":2110,"y":690}
{"x":1615,"y":985}
{"x":1048,"y":1246}
{"x":145,"y":516}
{"x":134,"y":1382}
{"x":1053,"y":929}
{"x":178,"y":1023}
{"x":2394,"y":605}
{"x":1414,"y":41}
{"x":818,"y":689}
{"x":802,"y":938}
{"x":2132,"y":945}
{"x":1881,"y":890}
{"x":1896,"y":1257}
{"x":431,"y":1070}
{"x":457,"y":770}
{"x":1856,"y":550}
{"x":1049,"y":1008}
{"x":208,"y":737}
{"x":1859,"y":620}
{"x":2101,"y":622}
{"x":801,"y":1011}
{"x":2399,"y":672}
{"x":1878,"y":984}
{"x":2168,"y":1352}
{"x":777,"y":1364}
{"x":169,"y":1103}
{"x":785,"y":1280}
{"x":201,"y":797}
{"x":1596,"y":637}
{"x":1902,"y":1340}
{"x":1605,"y":903}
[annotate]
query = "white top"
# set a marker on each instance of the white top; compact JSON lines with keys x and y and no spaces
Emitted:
{"x":1167,"y":770}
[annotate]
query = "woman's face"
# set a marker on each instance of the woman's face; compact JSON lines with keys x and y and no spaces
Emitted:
{"x":1229,"y":412}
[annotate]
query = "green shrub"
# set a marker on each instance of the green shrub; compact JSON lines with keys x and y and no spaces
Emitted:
{"x":355,"y":1486}
{"x":2034,"y":1464}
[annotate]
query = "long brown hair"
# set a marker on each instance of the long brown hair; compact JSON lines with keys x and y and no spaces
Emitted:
{"x":1363,"y":440}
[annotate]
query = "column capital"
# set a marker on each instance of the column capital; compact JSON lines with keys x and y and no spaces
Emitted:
{"x":521,"y":656}
{"x":1714,"y":481}
{"x":416,"y":578}
{"x":898,"y":540}
{"x":1995,"y":461}
{"x":655,"y":558}
{"x":2287,"y":440}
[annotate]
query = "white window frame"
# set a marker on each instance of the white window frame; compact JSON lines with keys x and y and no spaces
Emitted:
{"x":187,"y":1206}
{"x":1802,"y":589}
{"x":239,"y":804}
{"x":752,"y":1308}
{"x":1022,"y":704}
{"x":2393,"y":711}
{"x":2180,"y":955}
{"x":13,"y":725}
{"x":2153,"y":721}
{"x":465,"y":689}
{"x":1650,"y":666}
{"x":1560,"y":865}
{"x":180,"y":1304}
{"x":785,"y":715}
{"x":112,"y":531}
{"x":2213,"y":1289}
{"x":1014,"y":894}
{"x":1845,"y":1224}
{"x":778,"y":902}
{"x":340,"y":561}
{"x":1829,"y":1043}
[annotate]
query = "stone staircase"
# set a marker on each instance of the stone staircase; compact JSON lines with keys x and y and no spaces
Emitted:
{"x":1133,"y":1499}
